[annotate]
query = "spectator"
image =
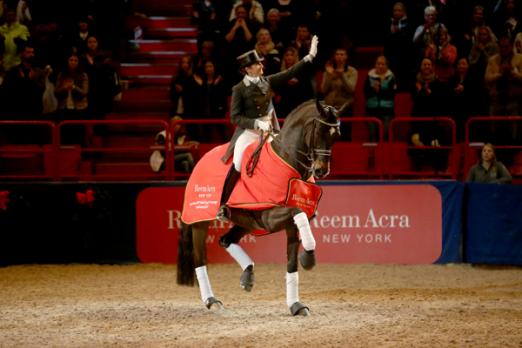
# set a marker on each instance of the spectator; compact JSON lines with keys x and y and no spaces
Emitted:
{"x":181,"y":88}
{"x":23,"y":13}
{"x":398,"y":47}
{"x":507,"y":20}
{"x":183,"y":158}
{"x":297,"y":90}
{"x":379,"y":90}
{"x":206,"y":51}
{"x":465,"y":96}
{"x":489,"y":170}
{"x":443,"y":54}
{"x":104,"y":80}
{"x":302,"y":40}
{"x":517,"y":45}
{"x":211,"y":95}
{"x":72,"y":88}
{"x":254,"y":9}
{"x":273,"y":24}
{"x":427,"y":33}
{"x":78,"y":39}
{"x":23,"y":87}
{"x":470,"y":33}
{"x":239,"y":39}
{"x":428,"y":99}
{"x":204,"y":16}
{"x":504,"y":80}
{"x":287,"y":10}
{"x":13,"y":36}
{"x":338,"y":87}
{"x":266,"y":48}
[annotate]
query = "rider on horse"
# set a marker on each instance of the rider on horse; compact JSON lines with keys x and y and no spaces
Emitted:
{"x":252,"y":110}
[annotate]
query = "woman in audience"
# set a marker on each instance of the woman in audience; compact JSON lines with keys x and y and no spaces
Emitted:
{"x":338,"y":86}
{"x":181,"y":88}
{"x":379,"y":90}
{"x":488,"y":170}
{"x":72,"y":87}
{"x":266,"y":48}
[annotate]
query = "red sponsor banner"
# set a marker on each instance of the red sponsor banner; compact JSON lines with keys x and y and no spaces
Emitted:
{"x":354,"y":224}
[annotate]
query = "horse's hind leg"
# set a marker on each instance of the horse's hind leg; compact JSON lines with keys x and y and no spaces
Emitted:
{"x":199,"y":235}
{"x":230,"y":241}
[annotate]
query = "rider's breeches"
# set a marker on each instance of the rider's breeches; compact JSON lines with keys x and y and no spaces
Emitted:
{"x":242,"y":142}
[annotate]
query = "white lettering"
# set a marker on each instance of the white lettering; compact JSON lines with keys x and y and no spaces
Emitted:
{"x":369,"y":238}
{"x":336,"y":238}
{"x":174,"y":217}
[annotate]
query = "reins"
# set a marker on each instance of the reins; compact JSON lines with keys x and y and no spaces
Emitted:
{"x":254,"y":158}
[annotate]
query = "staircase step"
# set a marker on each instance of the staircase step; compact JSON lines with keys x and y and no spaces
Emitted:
{"x":157,"y":22}
{"x":146,"y":94}
{"x":186,"y":45}
{"x":136,"y":81}
{"x":160,"y":57}
{"x":165,"y":7}
{"x":148,"y":69}
{"x":150,"y":106}
{"x":162,"y":116}
{"x":168,"y":33}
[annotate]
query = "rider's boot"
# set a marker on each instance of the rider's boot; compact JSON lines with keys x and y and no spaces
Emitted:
{"x":233,"y":175}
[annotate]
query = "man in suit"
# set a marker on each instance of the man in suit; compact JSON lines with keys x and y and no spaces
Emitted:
{"x":252,"y":111}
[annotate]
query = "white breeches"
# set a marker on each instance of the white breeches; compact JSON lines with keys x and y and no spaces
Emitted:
{"x":245,"y":139}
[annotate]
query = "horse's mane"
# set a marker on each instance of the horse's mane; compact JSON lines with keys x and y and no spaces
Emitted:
{"x":303,"y":111}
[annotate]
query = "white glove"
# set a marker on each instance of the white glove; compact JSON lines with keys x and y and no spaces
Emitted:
{"x":263,"y":125}
{"x":313,"y":47}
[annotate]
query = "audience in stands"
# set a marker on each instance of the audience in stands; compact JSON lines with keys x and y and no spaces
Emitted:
{"x":488,"y":170}
{"x":204,"y":16}
{"x":279,"y":35}
{"x":507,"y":20}
{"x":302,"y":40}
{"x":266,"y":48}
{"x":72,"y":88}
{"x":443,"y":54}
{"x":428,"y":32}
{"x":338,"y":87}
{"x":77,"y":41}
{"x":183,"y":157}
{"x":379,"y":90}
{"x":13,"y":36}
{"x":297,"y":90}
{"x":287,"y":12}
{"x":181,"y":87}
{"x":398,"y":47}
{"x":428,"y":98}
{"x":254,"y":9}
{"x":239,"y":38}
{"x":465,"y":92}
{"x":23,"y":87}
{"x":104,"y":80}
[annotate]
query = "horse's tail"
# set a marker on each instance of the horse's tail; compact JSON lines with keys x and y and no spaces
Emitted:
{"x":185,"y":274}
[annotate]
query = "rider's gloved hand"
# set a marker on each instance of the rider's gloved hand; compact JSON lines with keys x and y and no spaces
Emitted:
{"x":263,"y":125}
{"x":313,"y":49}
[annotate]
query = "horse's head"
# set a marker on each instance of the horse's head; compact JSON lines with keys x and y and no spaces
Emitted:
{"x":324,"y":131}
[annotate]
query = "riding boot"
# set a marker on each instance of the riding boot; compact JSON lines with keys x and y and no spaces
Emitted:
{"x":230,"y":181}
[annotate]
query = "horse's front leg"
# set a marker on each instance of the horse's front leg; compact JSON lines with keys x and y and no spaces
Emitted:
{"x":199,"y":236}
{"x":280,"y":218}
{"x":292,"y":275}
{"x":230,"y":241}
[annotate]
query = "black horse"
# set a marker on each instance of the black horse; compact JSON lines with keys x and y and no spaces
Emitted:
{"x":305,"y":143}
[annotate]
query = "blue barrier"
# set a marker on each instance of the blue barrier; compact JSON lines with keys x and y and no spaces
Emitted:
{"x":494,"y":224}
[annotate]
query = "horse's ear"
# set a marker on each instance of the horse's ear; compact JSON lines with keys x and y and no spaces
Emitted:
{"x":343,"y":108}
{"x":320,"y":107}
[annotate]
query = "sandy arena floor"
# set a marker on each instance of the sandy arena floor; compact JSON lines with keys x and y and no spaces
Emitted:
{"x":352,"y":306}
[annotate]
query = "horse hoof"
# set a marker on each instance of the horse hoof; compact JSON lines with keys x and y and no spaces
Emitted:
{"x":307,"y":259}
{"x":213,"y":302}
{"x":246,"y":281}
{"x":299,"y":309}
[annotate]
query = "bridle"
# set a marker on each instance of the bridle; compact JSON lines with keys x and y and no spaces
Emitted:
{"x":314,"y":153}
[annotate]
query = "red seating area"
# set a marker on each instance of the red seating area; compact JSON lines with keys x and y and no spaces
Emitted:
{"x":120,"y":150}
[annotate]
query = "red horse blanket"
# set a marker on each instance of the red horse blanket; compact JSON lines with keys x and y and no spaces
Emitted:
{"x":273,"y":183}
